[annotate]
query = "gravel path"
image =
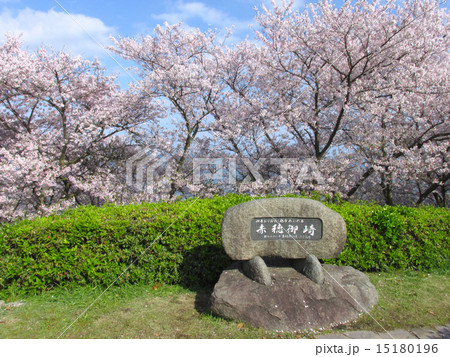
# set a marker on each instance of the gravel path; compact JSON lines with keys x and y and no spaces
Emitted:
{"x":440,"y":332}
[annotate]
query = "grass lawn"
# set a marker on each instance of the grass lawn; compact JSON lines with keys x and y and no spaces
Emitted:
{"x":407,"y":299}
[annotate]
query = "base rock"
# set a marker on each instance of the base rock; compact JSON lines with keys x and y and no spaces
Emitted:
{"x":293,"y":302}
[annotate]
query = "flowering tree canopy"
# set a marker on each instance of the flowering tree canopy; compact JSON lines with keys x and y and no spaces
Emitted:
{"x":360,"y":93}
{"x":60,"y":117}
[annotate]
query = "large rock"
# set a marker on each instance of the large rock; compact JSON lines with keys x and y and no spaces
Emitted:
{"x":316,"y":230}
{"x":293,"y":302}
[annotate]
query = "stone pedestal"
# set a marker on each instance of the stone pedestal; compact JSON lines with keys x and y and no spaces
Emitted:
{"x":293,"y":302}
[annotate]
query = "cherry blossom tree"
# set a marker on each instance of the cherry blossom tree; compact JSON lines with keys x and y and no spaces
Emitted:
{"x":364,"y":87}
{"x":60,"y":119}
{"x":360,"y":91}
{"x":249,"y":122}
{"x":179,"y":68}
{"x":359,"y":94}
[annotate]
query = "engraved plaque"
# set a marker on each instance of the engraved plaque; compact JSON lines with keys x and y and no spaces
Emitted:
{"x":286,"y":228}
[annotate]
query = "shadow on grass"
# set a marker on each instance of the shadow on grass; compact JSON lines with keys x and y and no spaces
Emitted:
{"x":203,"y":302}
{"x":200,"y":271}
{"x":202,"y":266}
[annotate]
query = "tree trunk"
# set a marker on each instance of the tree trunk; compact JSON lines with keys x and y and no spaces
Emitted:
{"x":387,"y":189}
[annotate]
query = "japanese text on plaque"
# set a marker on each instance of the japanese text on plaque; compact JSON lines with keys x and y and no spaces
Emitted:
{"x":286,"y":228}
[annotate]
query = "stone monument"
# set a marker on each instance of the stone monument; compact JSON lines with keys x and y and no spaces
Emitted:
{"x":277,"y":281}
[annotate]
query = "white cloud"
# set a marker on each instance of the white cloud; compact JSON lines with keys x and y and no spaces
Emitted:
{"x":214,"y":18}
{"x":77,"y":33}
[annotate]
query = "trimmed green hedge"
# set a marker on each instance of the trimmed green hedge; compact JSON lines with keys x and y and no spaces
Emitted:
{"x":384,"y":238}
{"x":180,"y":243}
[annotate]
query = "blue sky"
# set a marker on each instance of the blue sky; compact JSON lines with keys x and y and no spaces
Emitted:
{"x":81,"y":25}
{"x":84,"y":26}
